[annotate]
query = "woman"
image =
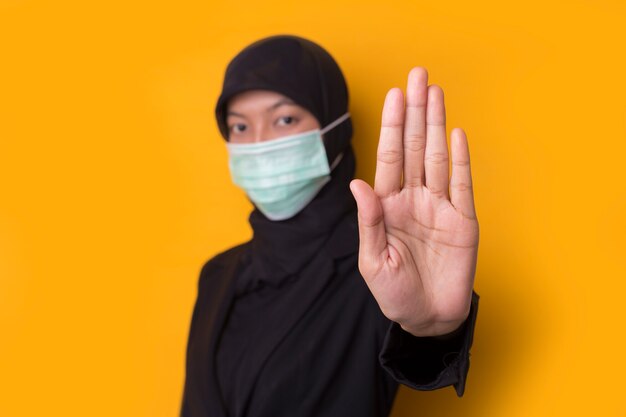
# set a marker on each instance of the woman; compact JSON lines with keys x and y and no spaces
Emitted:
{"x":332,"y":304}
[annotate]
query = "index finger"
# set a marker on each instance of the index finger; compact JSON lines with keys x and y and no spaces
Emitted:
{"x":390,"y":155}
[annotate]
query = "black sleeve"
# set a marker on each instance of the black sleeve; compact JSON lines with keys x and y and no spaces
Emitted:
{"x":428,"y":363}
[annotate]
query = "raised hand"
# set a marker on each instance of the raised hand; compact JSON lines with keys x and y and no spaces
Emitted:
{"x":418,"y":228}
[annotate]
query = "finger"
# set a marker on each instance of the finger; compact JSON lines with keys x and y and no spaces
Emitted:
{"x":389,"y":157}
{"x":415,"y":127}
{"x":461,"y":189}
{"x":372,"y":236}
{"x":436,"y":154}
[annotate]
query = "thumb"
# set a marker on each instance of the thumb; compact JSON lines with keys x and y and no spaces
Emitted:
{"x":372,"y":236}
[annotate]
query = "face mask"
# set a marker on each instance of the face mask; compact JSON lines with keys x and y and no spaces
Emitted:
{"x":281,"y":176}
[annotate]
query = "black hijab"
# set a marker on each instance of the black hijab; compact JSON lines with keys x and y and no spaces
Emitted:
{"x":305,"y":72}
{"x":298,"y":68}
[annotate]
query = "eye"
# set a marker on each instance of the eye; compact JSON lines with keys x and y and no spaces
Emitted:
{"x":234,"y":127}
{"x":288,"y":120}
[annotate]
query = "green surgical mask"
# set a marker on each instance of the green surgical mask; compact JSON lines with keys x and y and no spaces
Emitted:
{"x":281,"y":176}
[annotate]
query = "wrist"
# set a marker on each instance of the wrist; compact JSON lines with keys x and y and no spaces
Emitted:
{"x":441,"y":331}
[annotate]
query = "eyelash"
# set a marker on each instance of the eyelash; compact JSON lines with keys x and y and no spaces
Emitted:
{"x":231,"y":129}
{"x":294,"y":120}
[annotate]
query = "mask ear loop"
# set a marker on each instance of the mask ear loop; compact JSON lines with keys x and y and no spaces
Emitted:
{"x":330,"y":126}
{"x":335,"y":123}
{"x":336,"y":161}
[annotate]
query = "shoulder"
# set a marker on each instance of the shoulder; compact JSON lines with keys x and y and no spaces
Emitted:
{"x":223,"y":260}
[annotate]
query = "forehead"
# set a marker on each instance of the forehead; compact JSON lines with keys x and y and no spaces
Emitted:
{"x":255,"y":98}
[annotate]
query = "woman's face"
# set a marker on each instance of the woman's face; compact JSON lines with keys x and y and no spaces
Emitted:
{"x":260,"y":115}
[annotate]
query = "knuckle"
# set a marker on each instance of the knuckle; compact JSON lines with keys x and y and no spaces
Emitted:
{"x":389,"y":156}
{"x":366,"y":268}
{"x":437,"y":192}
{"x":414,"y":143}
{"x":462,"y":186}
{"x":437,"y":158}
{"x":413,"y":182}
{"x":369,"y":221}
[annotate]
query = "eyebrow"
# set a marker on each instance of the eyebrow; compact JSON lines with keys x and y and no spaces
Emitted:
{"x":281,"y":102}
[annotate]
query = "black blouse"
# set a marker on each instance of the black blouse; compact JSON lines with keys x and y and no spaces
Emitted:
{"x":337,"y":356}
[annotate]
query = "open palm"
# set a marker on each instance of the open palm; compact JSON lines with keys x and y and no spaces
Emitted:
{"x":418,"y":228}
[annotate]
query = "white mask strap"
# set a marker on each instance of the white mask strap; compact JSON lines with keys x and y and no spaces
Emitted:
{"x":335,"y":123}
{"x":336,"y":161}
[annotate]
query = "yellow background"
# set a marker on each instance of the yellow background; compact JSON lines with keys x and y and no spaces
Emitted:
{"x":115,"y":189}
